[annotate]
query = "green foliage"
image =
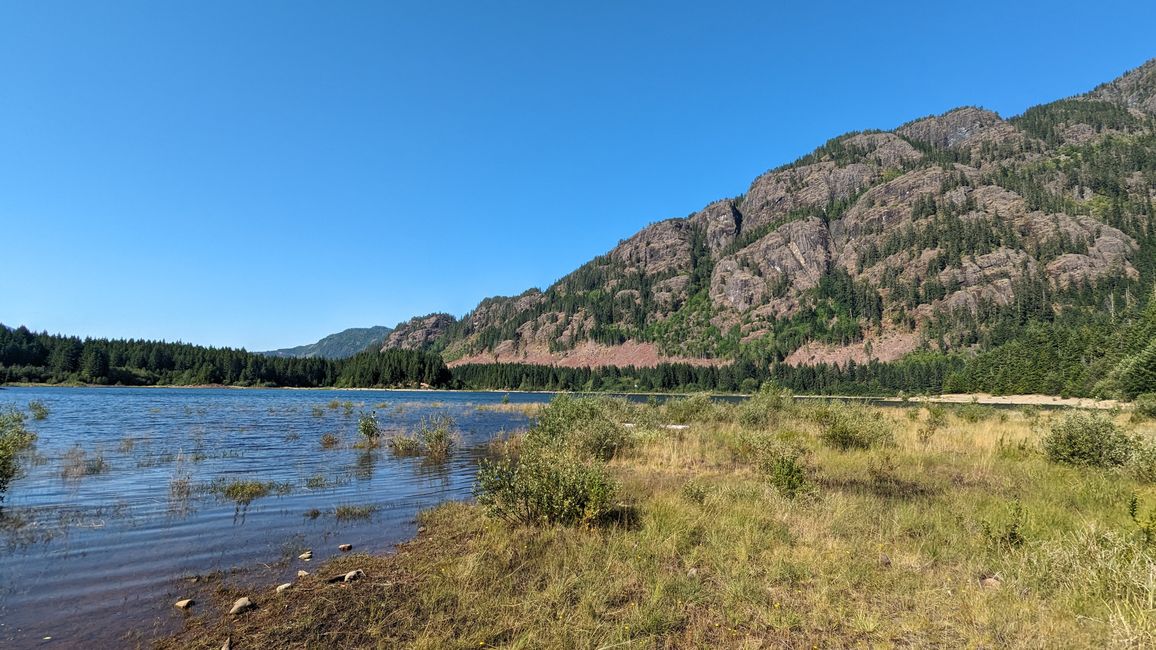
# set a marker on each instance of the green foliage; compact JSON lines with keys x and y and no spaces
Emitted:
{"x":847,"y":427}
{"x":1009,"y":534}
{"x":1142,"y":464}
{"x":26,"y":356}
{"x":1088,"y":439}
{"x":590,"y":426}
{"x":438,"y":436}
{"x":784,"y":464}
{"x":351,"y":513}
{"x":368,"y":427}
{"x":38,"y":409}
{"x":936,"y":420}
{"x":1145,"y":405}
{"x":763,"y":409}
{"x":546,"y":486}
{"x":696,"y":408}
{"x":15,"y":440}
{"x":1047,"y":121}
{"x":975,"y":412}
{"x":245,"y":491}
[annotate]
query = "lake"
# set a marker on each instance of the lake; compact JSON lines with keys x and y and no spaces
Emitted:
{"x":121,"y":506}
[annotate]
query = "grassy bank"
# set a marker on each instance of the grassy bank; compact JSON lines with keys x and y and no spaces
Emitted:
{"x":775,"y":523}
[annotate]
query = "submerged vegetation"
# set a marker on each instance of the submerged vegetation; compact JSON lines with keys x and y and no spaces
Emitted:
{"x":245,"y":491}
{"x":15,"y":441}
{"x":435,"y":439}
{"x":772,"y":523}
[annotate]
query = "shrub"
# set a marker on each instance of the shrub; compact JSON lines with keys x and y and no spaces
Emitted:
{"x":14,"y":441}
{"x":368,"y":427}
{"x":545,"y":486}
{"x":591,"y":426}
{"x":936,"y":420}
{"x":785,"y":467}
{"x":695,"y":491}
{"x":847,"y":427}
{"x":38,"y":409}
{"x":437,"y":436}
{"x":764,"y":407}
{"x":404,"y":446}
{"x":1145,"y":405}
{"x":1142,"y":464}
{"x":696,"y":408}
{"x":1088,"y":439}
{"x":975,"y":412}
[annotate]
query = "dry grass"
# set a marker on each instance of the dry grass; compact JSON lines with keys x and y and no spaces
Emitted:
{"x":890,"y":549}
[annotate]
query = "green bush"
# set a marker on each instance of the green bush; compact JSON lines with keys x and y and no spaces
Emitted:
{"x":591,"y":426}
{"x":1088,"y":439}
{"x":38,"y":409}
{"x":14,"y":441}
{"x":438,"y":436}
{"x":1145,"y":405}
{"x":975,"y":412}
{"x":1142,"y":464}
{"x":764,"y":407}
{"x":368,"y":427}
{"x":847,"y":427}
{"x":785,"y":467}
{"x":545,"y":486}
{"x":696,"y":408}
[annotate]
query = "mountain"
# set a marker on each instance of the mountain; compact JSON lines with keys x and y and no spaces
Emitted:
{"x":955,"y":234}
{"x":337,"y":346}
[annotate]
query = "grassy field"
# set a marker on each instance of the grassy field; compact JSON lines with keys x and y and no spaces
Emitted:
{"x":774,"y":524}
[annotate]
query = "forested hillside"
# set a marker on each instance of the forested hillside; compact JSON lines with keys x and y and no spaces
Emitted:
{"x":30,"y":357}
{"x":1019,"y":253}
{"x":345,"y":343}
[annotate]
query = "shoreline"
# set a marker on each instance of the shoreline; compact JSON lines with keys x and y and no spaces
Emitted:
{"x":987,"y":399}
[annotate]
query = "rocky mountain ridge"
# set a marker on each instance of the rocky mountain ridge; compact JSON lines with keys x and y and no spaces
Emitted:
{"x":877,"y":244}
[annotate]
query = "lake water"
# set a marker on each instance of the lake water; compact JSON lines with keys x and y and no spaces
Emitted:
{"x":116,"y":512}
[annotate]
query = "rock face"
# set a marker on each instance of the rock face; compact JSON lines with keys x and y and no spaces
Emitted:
{"x":850,"y":252}
{"x":418,"y":333}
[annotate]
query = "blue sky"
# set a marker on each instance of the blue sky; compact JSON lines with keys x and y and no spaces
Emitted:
{"x":261,"y":174}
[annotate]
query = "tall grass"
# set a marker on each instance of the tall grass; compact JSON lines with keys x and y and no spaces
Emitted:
{"x":699,"y":539}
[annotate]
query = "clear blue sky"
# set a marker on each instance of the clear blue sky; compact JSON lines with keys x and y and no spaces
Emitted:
{"x":260,"y":174}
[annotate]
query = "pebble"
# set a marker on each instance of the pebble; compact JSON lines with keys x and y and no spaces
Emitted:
{"x":307,"y":555}
{"x":421,"y":529}
{"x":228,"y":645}
{"x":990,"y":582}
{"x":242,"y":604}
{"x":184,"y":604}
{"x":884,"y":559}
{"x":284,"y":587}
{"x":356,"y":574}
{"x":301,"y":573}
{"x":345,"y":548}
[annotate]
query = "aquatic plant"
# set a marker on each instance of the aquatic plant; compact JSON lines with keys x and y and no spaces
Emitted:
{"x":349,"y":512}
{"x":15,"y":441}
{"x":38,"y":409}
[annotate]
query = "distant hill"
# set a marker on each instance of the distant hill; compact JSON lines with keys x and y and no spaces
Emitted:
{"x":337,"y":346}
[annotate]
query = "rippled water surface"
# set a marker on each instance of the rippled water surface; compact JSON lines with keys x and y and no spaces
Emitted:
{"x":117,"y":509}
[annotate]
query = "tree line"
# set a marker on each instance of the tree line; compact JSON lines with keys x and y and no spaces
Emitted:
{"x":26,"y":356}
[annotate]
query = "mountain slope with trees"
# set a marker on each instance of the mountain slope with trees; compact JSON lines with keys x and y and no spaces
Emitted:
{"x":992,"y":242}
{"x":341,"y":345}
